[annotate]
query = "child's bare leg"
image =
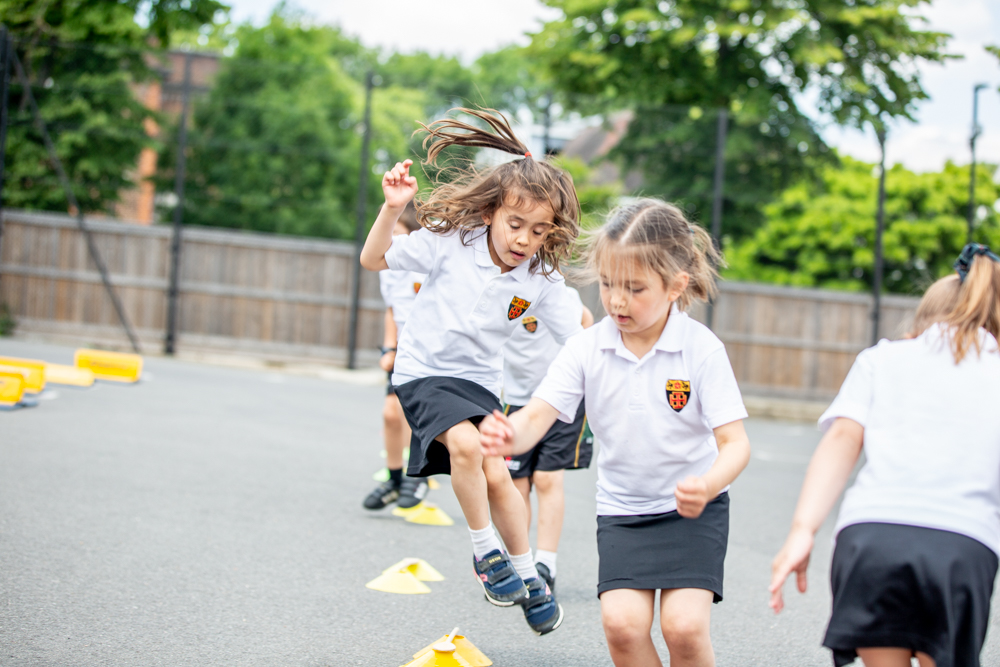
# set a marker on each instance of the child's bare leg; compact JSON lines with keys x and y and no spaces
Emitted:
{"x":627,"y":615}
{"x":467,"y":477}
{"x":523,"y":486}
{"x":551,"y":507}
{"x":892,"y":657}
{"x":685,"y":616}
{"x":506,"y":505}
{"x":397,"y":432}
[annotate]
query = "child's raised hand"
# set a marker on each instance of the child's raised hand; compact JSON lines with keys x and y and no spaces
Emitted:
{"x":793,"y":557}
{"x":398,"y":186}
{"x":692,"y":496}
{"x":496,"y":435}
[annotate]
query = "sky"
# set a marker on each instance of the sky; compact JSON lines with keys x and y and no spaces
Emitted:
{"x":468,"y":28}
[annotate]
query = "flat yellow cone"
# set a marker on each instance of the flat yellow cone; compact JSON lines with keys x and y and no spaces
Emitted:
{"x":114,"y":366}
{"x":433,"y":484}
{"x":32,"y":370}
{"x":11,"y":388}
{"x":430,"y":515}
{"x":402,"y":583}
{"x":407,"y":511}
{"x":418,"y":567}
{"x":465,"y":651}
{"x":69,"y":375}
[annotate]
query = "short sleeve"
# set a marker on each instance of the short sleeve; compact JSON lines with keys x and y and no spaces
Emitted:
{"x":413,"y":252}
{"x":854,"y":399}
{"x":561,"y":309}
{"x":386,"y":281}
{"x":564,"y":384}
{"x":718,"y":391}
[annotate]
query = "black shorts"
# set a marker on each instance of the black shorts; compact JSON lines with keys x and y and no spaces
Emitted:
{"x":389,"y":389}
{"x":432,"y":406}
{"x":915,"y":588}
{"x":564,"y":447}
{"x":657,"y":551}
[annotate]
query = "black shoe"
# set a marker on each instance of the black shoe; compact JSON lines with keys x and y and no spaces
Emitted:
{"x":541,"y":610}
{"x":543,"y":572}
{"x":412,"y":492}
{"x":384,"y":494}
{"x":501,"y":583}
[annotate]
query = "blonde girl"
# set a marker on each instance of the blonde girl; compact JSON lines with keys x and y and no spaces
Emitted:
{"x":664,"y":404}
{"x":918,"y":534}
{"x":492,"y":243}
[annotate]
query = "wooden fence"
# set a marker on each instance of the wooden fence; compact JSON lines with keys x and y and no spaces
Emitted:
{"x":289,"y":298}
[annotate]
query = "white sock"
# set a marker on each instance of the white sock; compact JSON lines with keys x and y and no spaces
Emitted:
{"x":524,"y":565}
{"x":484,"y":541}
{"x":548,"y":559}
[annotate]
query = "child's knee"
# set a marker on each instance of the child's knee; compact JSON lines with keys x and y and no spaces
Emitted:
{"x":465,"y":452}
{"x":685,"y":635}
{"x":496,"y":472}
{"x":547,"y":481}
{"x":623,"y":630}
{"x":392,"y":415}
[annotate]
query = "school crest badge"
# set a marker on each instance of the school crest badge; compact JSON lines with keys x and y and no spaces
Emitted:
{"x":517,"y":308}
{"x":677,"y":393}
{"x":416,"y":287}
{"x":530,"y":323}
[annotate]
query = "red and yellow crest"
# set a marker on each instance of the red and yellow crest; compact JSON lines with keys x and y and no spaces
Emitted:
{"x":677,"y":393}
{"x":416,"y":287}
{"x":530,"y":323}
{"x":517,"y":308}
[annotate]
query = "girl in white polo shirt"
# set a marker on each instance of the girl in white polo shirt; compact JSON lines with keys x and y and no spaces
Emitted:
{"x":664,"y":404}
{"x":918,"y":534}
{"x":492,"y":243}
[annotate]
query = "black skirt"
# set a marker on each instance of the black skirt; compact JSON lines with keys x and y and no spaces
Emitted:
{"x":657,"y":551}
{"x":432,"y":406}
{"x":914,"y":588}
{"x":563,"y":447}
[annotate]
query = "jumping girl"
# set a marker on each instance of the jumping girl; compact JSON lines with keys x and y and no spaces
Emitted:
{"x":664,"y":404}
{"x":918,"y":533}
{"x":492,"y":244}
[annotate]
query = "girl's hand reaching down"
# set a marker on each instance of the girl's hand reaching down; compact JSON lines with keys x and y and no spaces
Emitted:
{"x":398,"y":186}
{"x":793,"y":557}
{"x":496,"y":435}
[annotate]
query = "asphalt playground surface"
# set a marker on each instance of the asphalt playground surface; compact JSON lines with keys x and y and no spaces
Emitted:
{"x":212,"y":516}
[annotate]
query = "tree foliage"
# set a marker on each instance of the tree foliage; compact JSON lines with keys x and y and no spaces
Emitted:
{"x":821,"y":233}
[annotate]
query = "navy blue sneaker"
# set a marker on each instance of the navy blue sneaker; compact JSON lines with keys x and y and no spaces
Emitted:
{"x":543,"y":572}
{"x":499,"y":579}
{"x":541,"y":610}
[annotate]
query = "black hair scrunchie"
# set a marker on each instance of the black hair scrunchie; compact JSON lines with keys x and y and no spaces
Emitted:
{"x":969,"y":253}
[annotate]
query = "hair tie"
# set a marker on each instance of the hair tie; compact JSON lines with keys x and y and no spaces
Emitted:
{"x":528,"y":154}
{"x":969,"y":253}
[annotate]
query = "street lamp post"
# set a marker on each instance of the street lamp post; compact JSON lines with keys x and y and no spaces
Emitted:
{"x":976,"y":131}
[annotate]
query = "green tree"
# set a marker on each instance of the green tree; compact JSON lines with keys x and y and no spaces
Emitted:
{"x":81,"y":59}
{"x":820,"y":233}
{"x":674,"y":61}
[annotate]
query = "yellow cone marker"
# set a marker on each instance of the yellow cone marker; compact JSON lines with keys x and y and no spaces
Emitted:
{"x":11,"y":388}
{"x":418,"y":567}
{"x":401,"y":582}
{"x":32,"y":370}
{"x":407,"y":511}
{"x":430,"y":515}
{"x":69,"y":375}
{"x":448,"y":652}
{"x":114,"y":366}
{"x":433,"y":484}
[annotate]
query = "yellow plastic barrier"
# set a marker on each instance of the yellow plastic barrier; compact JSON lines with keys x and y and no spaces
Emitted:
{"x":32,"y":370}
{"x":11,"y":387}
{"x":69,"y":375}
{"x":115,"y":366}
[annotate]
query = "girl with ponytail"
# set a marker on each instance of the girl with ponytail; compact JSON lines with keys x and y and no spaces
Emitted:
{"x":491,"y":245}
{"x":663,"y":402}
{"x":918,"y":534}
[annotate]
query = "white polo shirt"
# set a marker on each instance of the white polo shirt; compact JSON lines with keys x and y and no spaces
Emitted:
{"x":932,"y":436}
{"x":653,"y":416}
{"x":467,"y":309}
{"x":527,"y":356}
{"x":399,"y":291}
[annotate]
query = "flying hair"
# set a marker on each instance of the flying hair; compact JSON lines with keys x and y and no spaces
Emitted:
{"x":978,"y":307}
{"x":474,"y":195}
{"x":936,"y":304}
{"x":659,"y":238}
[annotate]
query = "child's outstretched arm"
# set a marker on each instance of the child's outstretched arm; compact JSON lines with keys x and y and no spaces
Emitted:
{"x":831,"y":466}
{"x":399,"y":188}
{"x":502,"y":435}
{"x":694,"y":493}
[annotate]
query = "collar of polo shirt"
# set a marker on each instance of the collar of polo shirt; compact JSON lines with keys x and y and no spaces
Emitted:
{"x":671,"y":340}
{"x":481,"y":245}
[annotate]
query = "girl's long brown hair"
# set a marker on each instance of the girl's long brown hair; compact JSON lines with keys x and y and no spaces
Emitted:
{"x":464,"y":202}
{"x":978,"y":307}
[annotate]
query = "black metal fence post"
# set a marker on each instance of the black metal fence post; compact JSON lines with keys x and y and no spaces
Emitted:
{"x":6,"y":46}
{"x":972,"y":146}
{"x":879,"y":251}
{"x":721,"y":130}
{"x":359,"y":232}
{"x":170,"y":340}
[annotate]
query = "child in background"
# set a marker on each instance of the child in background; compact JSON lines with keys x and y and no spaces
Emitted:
{"x":664,"y":404}
{"x":918,"y":534}
{"x":398,"y":288}
{"x":526,"y":357}
{"x":492,"y":244}
{"x":937,"y":302}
